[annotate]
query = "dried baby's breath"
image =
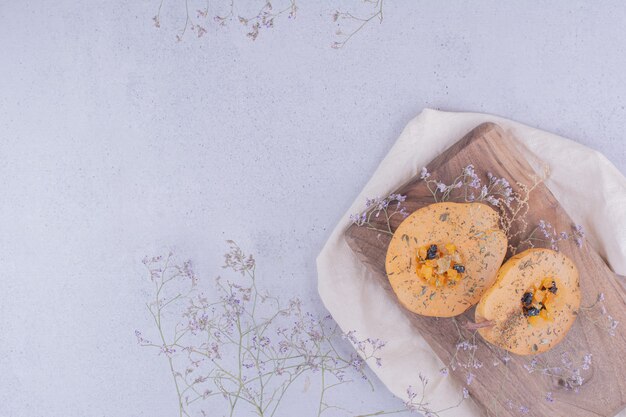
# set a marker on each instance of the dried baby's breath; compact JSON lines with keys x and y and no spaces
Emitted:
{"x":567,"y":373}
{"x":381,"y":208}
{"x":353,"y":23}
{"x":598,"y":314}
{"x":257,"y":16}
{"x":546,"y":235}
{"x":273,"y":344}
{"x":221,"y":13}
{"x":243,"y":349}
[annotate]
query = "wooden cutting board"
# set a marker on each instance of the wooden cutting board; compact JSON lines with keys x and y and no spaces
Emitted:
{"x":500,"y":386}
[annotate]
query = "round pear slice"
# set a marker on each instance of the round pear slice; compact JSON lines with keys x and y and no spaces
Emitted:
{"x":443,"y":257}
{"x":533,"y":303}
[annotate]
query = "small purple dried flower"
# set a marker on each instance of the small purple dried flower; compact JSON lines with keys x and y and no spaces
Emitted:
{"x":423,"y":378}
{"x":578,"y":234}
{"x":351,"y":336}
{"x":140,"y":338}
{"x":483,"y":192}
{"x":469,"y":172}
{"x":566,"y":360}
{"x":167,"y":350}
{"x":357,"y":363}
{"x":358,"y":219}
{"x":612,"y":325}
{"x":397,"y":197}
{"x":532,"y":366}
{"x":492,"y":200}
{"x":410,"y":392}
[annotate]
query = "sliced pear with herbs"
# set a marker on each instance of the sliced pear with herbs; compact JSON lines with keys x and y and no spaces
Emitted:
{"x":443,"y":257}
{"x":533,"y":303}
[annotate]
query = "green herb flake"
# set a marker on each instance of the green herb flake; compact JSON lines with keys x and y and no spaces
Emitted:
{"x":526,"y":264}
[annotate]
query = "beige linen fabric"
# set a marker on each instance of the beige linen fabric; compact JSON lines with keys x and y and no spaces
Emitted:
{"x":588,"y":186}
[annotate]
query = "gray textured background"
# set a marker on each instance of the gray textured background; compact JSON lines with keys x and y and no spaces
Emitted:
{"x":116,"y":141}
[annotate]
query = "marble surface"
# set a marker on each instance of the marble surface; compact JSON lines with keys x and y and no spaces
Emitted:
{"x":118,"y":142}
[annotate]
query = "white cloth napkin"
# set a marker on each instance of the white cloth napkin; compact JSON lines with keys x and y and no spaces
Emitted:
{"x":356,"y":300}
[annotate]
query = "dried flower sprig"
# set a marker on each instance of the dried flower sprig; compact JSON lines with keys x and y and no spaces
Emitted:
{"x":468,"y":187}
{"x":545,"y":234}
{"x":567,"y":373}
{"x":498,"y":192}
{"x":417,"y":402}
{"x":375,"y":207}
{"x":423,"y":406}
{"x":268,"y":13}
{"x":512,"y":205}
{"x":464,"y":356}
{"x":602,"y":320}
{"x":357,"y":23}
{"x":245,"y":348}
{"x":263,"y":19}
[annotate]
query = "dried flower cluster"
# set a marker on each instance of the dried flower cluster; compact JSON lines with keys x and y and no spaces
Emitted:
{"x":421,"y":405}
{"x":375,"y":207}
{"x":243,"y":350}
{"x":469,"y":188}
{"x":464,"y":356}
{"x":512,"y":205}
{"x":266,"y":14}
{"x":417,"y":403}
{"x":599,"y":315}
{"x":264,"y":18}
{"x":356,"y":23}
{"x":546,"y":235}
{"x":567,"y":373}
